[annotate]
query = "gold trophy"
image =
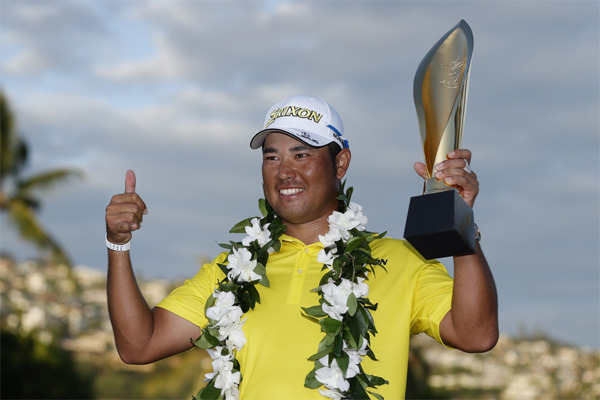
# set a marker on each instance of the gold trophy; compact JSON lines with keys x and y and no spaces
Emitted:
{"x":439,"y":222}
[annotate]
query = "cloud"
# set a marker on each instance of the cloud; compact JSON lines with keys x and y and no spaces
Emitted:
{"x":68,"y":40}
{"x":176,"y":89}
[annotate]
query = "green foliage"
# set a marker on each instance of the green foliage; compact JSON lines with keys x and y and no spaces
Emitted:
{"x":18,"y":195}
{"x":173,"y":378}
{"x":246,"y":294}
{"x":32,"y":370}
{"x":353,"y":260}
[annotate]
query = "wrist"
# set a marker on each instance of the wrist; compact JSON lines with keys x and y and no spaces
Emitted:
{"x":116,"y":247}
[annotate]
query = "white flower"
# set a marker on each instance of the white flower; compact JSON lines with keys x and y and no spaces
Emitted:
{"x":224,"y":299}
{"x":337,"y":297}
{"x":331,"y":394}
{"x":226,"y":379}
{"x":224,"y":312}
{"x":229,"y":318}
{"x":219,"y":361}
{"x":330,"y":237}
{"x":256,"y":233}
{"x":241,"y":267}
{"x":340,"y":223}
{"x":232,"y":393}
{"x":326,"y":257}
{"x":360,"y":289}
{"x":355,"y":356}
{"x":235,"y":335}
{"x":331,"y":375}
{"x":343,"y":223}
{"x":334,"y":312}
{"x":224,"y":308}
{"x":354,"y":213}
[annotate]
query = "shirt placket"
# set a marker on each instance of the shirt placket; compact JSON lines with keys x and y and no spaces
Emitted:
{"x":299,"y":272}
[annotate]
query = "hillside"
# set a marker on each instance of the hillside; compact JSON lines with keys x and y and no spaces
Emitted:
{"x":56,"y":305}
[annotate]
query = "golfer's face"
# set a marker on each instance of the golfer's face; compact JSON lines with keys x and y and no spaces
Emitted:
{"x":299,"y":180}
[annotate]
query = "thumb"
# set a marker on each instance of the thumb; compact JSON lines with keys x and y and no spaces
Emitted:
{"x":130,"y":182}
{"x":421,"y":169}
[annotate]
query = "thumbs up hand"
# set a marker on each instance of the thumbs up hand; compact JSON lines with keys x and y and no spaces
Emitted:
{"x":125,"y":212}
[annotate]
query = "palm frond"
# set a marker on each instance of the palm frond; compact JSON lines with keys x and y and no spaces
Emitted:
{"x":13,"y":149}
{"x":47,"y":180}
{"x":23,"y":217}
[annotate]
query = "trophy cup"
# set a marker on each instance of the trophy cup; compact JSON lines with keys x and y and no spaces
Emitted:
{"x":439,"y":222}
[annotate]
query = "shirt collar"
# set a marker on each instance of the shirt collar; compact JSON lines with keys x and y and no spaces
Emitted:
{"x":291,"y":239}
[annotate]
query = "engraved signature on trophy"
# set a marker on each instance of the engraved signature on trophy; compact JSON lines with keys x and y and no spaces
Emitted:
{"x":455,"y":67}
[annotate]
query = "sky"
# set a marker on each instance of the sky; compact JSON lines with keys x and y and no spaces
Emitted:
{"x":175,"y":90}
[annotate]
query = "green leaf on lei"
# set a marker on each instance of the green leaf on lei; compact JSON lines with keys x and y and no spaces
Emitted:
{"x":352,"y":304}
{"x":357,"y":390}
{"x":206,"y":341}
{"x":353,"y":244}
{"x":338,"y":346}
{"x":260,"y":269}
{"x":325,"y":347}
{"x":209,"y":302}
{"x":343,"y":361}
{"x":209,"y":392}
{"x":223,"y":268}
{"x":253,"y":293}
{"x":247,"y":302}
{"x":376,"y":395}
{"x":311,"y":381}
{"x":330,"y":326}
{"x":376,"y":380}
{"x":240,"y":227}
{"x":314,"y":311}
{"x":265,"y":281}
{"x":226,"y":246}
{"x":263,"y":206}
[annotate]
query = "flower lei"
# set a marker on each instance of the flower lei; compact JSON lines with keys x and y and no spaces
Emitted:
{"x":343,"y":311}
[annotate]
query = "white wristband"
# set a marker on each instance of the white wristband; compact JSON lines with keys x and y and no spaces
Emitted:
{"x":117,"y":247}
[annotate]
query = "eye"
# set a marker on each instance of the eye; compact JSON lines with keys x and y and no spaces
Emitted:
{"x":302,"y":155}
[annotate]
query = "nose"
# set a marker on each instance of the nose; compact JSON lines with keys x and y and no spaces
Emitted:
{"x":286,"y":170}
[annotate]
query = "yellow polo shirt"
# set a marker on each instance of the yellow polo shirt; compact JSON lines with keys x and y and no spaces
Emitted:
{"x":413,"y":296}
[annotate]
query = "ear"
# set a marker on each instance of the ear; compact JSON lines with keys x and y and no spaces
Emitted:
{"x":342,"y":162}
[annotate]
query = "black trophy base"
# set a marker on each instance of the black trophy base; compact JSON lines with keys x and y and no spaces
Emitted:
{"x":440,"y":225}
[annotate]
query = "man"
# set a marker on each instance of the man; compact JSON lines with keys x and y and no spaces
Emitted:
{"x":305,"y":157}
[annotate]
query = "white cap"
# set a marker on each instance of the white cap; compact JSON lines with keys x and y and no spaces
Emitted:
{"x":306,"y":118}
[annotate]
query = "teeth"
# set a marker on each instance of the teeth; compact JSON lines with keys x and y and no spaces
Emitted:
{"x":290,"y":191}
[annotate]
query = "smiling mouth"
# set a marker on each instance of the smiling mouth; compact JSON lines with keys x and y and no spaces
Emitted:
{"x":287,"y":192}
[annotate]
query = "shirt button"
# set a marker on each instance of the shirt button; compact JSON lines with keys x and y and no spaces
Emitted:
{"x":306,"y":251}
{"x":300,"y":270}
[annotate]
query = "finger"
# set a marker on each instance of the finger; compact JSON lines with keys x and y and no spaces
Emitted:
{"x":460,"y":153}
{"x":467,"y":167}
{"x":460,"y":181}
{"x":454,"y":164}
{"x":132,"y":199}
{"x":130,"y":181}
{"x":122,"y":218}
{"x":126,"y":227}
{"x":421,"y":169}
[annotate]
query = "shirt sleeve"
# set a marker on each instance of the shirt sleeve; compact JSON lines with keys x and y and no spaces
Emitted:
{"x":432,"y":299}
{"x":188,"y":300}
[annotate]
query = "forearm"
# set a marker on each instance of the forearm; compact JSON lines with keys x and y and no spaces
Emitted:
{"x":473,"y":318}
{"x":131,"y":318}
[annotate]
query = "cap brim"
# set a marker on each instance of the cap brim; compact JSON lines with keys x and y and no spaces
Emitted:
{"x":259,"y":139}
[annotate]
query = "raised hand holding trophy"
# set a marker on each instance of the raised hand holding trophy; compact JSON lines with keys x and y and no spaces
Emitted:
{"x":439,"y":222}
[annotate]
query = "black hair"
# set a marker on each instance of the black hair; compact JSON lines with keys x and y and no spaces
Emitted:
{"x":334,"y":150}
